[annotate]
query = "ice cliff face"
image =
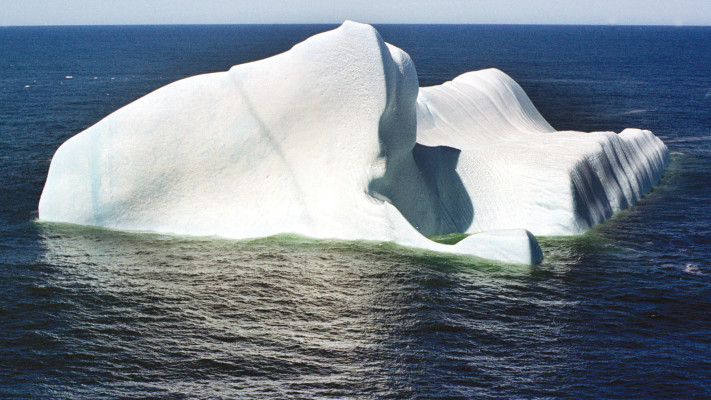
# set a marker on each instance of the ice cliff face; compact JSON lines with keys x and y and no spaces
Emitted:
{"x":520,"y":172}
{"x":321,"y":141}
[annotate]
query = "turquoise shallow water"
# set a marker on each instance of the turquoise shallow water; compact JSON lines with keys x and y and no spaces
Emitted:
{"x":619,"y":312}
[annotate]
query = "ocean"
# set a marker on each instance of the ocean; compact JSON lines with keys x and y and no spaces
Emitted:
{"x":620,"y":312}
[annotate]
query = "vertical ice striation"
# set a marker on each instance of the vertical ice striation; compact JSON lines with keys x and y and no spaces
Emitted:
{"x":520,"y":172}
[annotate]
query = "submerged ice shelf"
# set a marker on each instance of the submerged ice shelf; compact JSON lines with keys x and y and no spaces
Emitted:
{"x":335,"y":139}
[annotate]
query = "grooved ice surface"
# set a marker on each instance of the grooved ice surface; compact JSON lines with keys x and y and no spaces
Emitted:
{"x":321,"y":141}
{"x":519,"y":172}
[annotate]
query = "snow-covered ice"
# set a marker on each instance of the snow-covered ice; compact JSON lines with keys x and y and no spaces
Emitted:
{"x":334,"y":139}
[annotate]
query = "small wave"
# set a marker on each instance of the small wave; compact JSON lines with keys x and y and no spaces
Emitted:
{"x":689,"y":139}
{"x":563,"y":80}
{"x":693,"y":269}
{"x":630,"y":112}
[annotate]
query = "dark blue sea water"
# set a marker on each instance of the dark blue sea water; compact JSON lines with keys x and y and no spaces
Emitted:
{"x":621,"y":312}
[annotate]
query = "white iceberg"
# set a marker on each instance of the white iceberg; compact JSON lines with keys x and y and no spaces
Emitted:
{"x":321,"y":141}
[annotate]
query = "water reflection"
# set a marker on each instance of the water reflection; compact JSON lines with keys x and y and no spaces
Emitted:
{"x":288,"y":316}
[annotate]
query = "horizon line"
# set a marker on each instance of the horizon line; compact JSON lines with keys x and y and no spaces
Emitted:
{"x":369,"y":23}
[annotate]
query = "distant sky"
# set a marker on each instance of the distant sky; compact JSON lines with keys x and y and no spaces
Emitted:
{"x":119,"y":12}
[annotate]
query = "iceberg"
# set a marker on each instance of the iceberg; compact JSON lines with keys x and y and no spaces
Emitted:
{"x":335,"y":139}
